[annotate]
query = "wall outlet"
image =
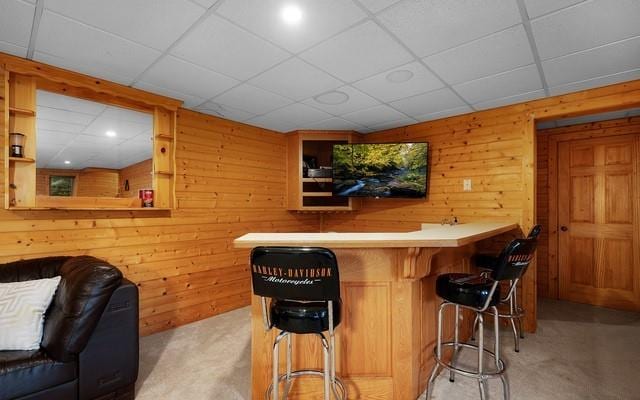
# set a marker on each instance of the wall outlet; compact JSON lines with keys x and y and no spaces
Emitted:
{"x":466,"y":185}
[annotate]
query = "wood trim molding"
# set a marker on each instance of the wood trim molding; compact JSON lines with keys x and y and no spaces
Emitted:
{"x":79,"y":85}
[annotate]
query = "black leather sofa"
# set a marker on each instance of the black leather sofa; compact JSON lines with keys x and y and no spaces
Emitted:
{"x":89,"y":348}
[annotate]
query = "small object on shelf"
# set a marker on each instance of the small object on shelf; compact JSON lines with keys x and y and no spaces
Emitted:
{"x":322,"y":172}
{"x":146,"y":195}
{"x":16,"y":142}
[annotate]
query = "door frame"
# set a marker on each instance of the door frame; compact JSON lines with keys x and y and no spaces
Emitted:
{"x":553,"y":143}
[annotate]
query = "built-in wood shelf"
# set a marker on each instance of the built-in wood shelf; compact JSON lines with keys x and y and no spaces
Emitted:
{"x":22,"y":159}
{"x":317,"y":194}
{"x":318,"y":180}
{"x":163,"y":136}
{"x":24,"y":111}
{"x":164,"y":173}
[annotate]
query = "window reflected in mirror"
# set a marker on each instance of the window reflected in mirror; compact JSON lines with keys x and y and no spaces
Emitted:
{"x":89,"y":149}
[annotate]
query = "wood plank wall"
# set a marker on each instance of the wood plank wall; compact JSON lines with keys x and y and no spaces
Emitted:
{"x":497,"y":150}
{"x":139,"y":177}
{"x":547,"y":279}
{"x":231,"y":180}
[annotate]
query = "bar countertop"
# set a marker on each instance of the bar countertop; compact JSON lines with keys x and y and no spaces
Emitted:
{"x":431,"y":235}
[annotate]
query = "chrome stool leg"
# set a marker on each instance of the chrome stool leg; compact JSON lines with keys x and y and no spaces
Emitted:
{"x":333,"y":386}
{"x":481,"y":374}
{"x":456,"y":336}
{"x":512,"y":312}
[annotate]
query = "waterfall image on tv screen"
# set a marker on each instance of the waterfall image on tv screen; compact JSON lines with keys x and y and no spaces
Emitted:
{"x":380,"y":170}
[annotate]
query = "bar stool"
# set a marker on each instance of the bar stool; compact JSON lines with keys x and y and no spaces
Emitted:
{"x":516,"y":312}
{"x":303,"y":286}
{"x":479,"y":293}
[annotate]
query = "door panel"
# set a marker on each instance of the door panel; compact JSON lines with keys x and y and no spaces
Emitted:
{"x":598,"y":215}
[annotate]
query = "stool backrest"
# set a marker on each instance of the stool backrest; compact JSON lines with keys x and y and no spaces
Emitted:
{"x":514,"y":259}
{"x":535,"y":232}
{"x":295,"y":273}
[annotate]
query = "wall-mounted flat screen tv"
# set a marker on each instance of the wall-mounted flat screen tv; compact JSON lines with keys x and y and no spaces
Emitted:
{"x":380,"y":170}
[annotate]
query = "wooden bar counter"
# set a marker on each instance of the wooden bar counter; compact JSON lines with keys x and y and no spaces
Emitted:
{"x":385,"y":341}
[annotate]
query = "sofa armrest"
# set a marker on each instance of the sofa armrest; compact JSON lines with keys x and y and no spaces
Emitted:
{"x":109,"y":362}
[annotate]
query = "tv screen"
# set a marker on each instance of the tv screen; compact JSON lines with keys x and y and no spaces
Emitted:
{"x":380,"y":170}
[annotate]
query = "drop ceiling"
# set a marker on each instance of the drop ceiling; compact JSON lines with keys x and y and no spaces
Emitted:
{"x":392,"y":62}
{"x":76,"y":134}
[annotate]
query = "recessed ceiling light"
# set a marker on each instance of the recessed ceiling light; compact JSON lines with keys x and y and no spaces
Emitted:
{"x":332,"y":98}
{"x":291,"y":14}
{"x":111,"y":133}
{"x":67,"y":162}
{"x":399,"y":76}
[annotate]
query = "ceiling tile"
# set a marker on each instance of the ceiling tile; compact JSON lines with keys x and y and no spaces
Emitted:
{"x":536,"y":8}
{"x":394,"y":124}
{"x":227,"y":112}
{"x":428,"y":103}
{"x":124,"y":129}
{"x":156,"y":23}
{"x":13,"y":49}
{"x":220,"y":46}
{"x":252,"y":99}
{"x":590,"y":24}
{"x":320,"y":20}
{"x":206,"y":3}
{"x":376,"y":5}
{"x":517,"y":81}
{"x":595,"y":82}
{"x":605,"y":60}
{"x":546,"y":125}
{"x":334,"y":123}
{"x":358,"y":53}
{"x":61,"y":102}
{"x":585,"y":119}
{"x":519,"y":98}
{"x":374,"y":116}
{"x":59,"y":126}
{"x":184,"y":77}
{"x":356,"y":101}
{"x":16,"y":19}
{"x":444,"y":114}
{"x":294,"y":116}
{"x":78,"y":65}
{"x":103,"y":51}
{"x":53,"y":138}
{"x":383,"y":87}
{"x":296,"y":79}
{"x":189,"y":101}
{"x":429,"y":27}
{"x":54,"y":114}
{"x":502,"y":51}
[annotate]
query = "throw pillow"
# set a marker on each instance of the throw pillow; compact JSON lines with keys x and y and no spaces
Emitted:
{"x":22,"y":309}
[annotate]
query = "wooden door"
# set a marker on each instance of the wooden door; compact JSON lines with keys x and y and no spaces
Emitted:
{"x":599,"y":221}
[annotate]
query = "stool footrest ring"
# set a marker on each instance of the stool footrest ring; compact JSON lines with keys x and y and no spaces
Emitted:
{"x":341,"y":394}
{"x":464,"y":372}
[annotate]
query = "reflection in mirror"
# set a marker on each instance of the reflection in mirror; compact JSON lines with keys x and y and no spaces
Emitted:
{"x":91,"y":149}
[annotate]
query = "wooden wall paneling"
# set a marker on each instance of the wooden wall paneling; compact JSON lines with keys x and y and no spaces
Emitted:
{"x":4,"y":156}
{"x":138,"y":175}
{"x":496,"y":149}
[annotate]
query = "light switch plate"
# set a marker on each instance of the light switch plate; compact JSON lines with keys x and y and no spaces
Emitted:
{"x":466,"y":185}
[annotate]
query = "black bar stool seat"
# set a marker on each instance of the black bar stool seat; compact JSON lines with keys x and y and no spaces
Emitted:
{"x":304,"y":317}
{"x":467,"y":289}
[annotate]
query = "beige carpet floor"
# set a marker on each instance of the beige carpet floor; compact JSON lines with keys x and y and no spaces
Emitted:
{"x":580,"y":352}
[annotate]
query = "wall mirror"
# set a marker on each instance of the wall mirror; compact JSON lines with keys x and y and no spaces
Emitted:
{"x":89,"y":149}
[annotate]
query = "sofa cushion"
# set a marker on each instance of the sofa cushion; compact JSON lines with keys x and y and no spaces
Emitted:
{"x":24,"y":372}
{"x":22,"y":308}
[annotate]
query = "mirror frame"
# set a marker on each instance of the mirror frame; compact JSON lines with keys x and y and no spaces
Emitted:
{"x":22,"y":78}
